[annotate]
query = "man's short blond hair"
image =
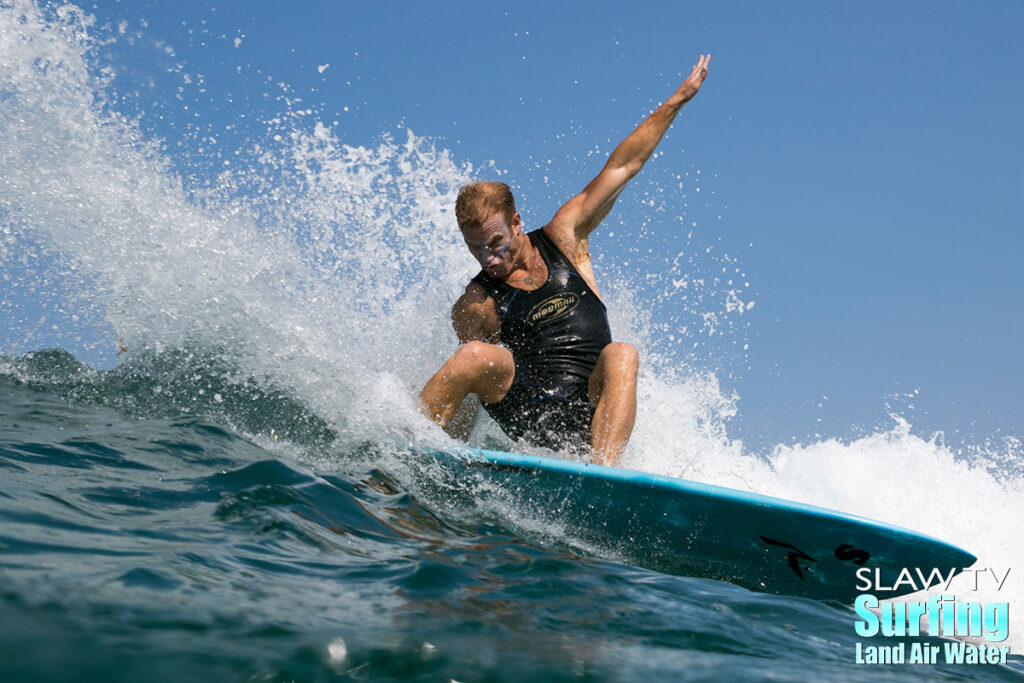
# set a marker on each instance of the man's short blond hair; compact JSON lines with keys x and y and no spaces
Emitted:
{"x":479,"y":201}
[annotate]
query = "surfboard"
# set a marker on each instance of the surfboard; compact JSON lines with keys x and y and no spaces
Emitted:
{"x":681,"y":527}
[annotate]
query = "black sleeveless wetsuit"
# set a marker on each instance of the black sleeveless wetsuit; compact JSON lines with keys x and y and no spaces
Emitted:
{"x":555,"y":334}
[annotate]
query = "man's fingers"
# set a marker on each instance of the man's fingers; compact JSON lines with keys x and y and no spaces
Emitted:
{"x":697,"y":75}
{"x":700,"y":69}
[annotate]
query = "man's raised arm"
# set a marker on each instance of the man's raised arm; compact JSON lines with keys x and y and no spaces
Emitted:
{"x":581,"y":214}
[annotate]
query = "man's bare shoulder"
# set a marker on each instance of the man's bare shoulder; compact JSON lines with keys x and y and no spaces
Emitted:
{"x":475,"y":315}
{"x":561,"y":233}
{"x":474,"y":297}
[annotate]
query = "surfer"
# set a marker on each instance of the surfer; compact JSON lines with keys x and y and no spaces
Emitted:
{"x":536,"y":347}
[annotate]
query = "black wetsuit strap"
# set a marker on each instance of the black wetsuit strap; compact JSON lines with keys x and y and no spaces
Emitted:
{"x":553,"y":258}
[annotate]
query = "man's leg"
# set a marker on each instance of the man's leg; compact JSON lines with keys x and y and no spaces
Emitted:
{"x":613,"y":392}
{"x":477,"y":368}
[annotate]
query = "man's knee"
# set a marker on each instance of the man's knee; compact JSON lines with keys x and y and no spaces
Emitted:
{"x":621,"y":359}
{"x":488,"y":368}
{"x":616,"y":368}
{"x":476,"y":357}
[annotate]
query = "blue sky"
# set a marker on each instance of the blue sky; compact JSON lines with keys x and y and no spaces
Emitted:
{"x":866,"y":160}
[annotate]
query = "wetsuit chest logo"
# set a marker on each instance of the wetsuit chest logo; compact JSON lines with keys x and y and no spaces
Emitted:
{"x":553,"y":307}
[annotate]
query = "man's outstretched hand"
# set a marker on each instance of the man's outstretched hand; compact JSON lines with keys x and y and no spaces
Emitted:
{"x":693,"y":82}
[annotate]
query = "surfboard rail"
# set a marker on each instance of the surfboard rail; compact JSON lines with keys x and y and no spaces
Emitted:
{"x":683,"y":527}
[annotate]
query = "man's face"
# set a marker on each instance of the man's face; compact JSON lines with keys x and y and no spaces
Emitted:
{"x":493,"y":245}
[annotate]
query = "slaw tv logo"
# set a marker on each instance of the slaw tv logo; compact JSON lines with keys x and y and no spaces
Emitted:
{"x":553,"y":307}
{"x":903,"y":627}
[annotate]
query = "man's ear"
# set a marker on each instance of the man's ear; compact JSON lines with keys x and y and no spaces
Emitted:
{"x":517,"y":224}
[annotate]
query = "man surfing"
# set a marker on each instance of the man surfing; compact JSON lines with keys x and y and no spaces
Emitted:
{"x":536,"y":347}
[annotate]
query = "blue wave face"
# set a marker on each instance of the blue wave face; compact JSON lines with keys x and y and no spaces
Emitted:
{"x":134,"y":538}
{"x":176,"y":382}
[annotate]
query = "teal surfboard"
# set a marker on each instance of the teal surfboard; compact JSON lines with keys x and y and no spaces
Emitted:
{"x":686,"y":528}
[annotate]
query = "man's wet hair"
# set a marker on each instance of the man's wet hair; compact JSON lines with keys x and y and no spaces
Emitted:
{"x":479,"y":201}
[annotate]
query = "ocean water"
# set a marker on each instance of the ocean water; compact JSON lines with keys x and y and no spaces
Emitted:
{"x":230,"y":499}
{"x":141,"y":539}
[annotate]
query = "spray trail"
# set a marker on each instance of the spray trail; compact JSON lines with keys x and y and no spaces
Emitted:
{"x":312,"y":266}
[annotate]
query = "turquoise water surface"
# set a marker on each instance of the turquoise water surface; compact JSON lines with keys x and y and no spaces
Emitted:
{"x":146,"y":541}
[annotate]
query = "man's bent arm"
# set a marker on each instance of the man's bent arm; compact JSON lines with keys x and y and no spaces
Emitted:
{"x":470,"y":316}
{"x":585,"y":211}
{"x":470,"y":321}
